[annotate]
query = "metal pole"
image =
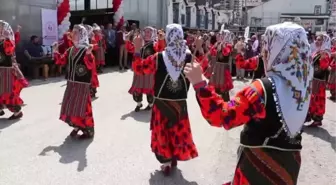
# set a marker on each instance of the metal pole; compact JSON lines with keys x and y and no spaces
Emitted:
{"x":148,"y":12}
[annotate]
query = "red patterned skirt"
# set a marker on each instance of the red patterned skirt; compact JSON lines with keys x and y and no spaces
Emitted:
{"x":318,"y":98}
{"x":171,"y":133}
{"x":76,"y":107}
{"x":209,"y":70}
{"x":258,"y":166}
{"x":221,"y":78}
{"x":10,"y":88}
{"x":94,"y":79}
{"x":142,"y":83}
{"x":100,"y":56}
{"x":332,"y":83}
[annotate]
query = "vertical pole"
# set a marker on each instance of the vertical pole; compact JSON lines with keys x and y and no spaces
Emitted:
{"x":148,"y":12}
{"x":87,"y":4}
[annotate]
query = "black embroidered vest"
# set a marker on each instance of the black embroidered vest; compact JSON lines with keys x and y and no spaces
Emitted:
{"x":167,"y":89}
{"x":260,"y":71}
{"x":319,"y":73}
{"x":269,"y":132}
{"x":5,"y":60}
{"x":77,"y":70}
{"x":147,"y":50}
{"x":221,"y":58}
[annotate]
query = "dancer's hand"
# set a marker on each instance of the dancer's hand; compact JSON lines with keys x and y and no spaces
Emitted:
{"x":55,"y":47}
{"x":89,"y":49}
{"x":194,"y":72}
{"x":18,"y":28}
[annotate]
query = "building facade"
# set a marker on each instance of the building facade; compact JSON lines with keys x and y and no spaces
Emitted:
{"x":26,"y":13}
{"x":314,"y":14}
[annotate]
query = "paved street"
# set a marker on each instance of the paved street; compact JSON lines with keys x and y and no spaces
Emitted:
{"x":35,"y":151}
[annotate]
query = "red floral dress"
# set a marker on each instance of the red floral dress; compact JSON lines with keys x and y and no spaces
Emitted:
{"x":175,"y":142}
{"x":11,"y":99}
{"x":87,"y":121}
{"x":246,"y":105}
{"x":160,"y":45}
{"x":332,"y":76}
{"x":95,"y":81}
{"x":318,"y":98}
{"x":221,"y":77}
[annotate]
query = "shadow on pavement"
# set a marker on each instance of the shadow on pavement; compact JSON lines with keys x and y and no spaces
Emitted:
{"x":157,"y":178}
{"x":39,"y":82}
{"x":321,"y":133}
{"x":71,"y":150}
{"x":4,"y":123}
{"x":142,"y":116}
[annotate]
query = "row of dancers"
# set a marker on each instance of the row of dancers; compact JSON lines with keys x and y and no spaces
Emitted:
{"x":164,"y":70}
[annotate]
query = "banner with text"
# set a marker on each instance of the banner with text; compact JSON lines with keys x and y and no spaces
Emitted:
{"x":49,"y":26}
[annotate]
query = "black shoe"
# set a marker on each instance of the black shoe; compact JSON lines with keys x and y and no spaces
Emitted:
{"x":2,"y":112}
{"x":126,"y":68}
{"x":88,"y":134}
{"x":148,"y":108}
{"x":14,"y":117}
{"x":74,"y":133}
{"x":120,"y":68}
{"x":138,"y":108}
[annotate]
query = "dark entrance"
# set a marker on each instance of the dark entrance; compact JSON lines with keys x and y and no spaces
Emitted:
{"x":101,"y":17}
{"x":188,"y":16}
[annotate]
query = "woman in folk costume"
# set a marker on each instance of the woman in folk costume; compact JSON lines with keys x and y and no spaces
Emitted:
{"x":10,"y":75}
{"x":211,"y":56}
{"x":270,"y":142}
{"x":255,"y":64}
{"x":160,"y":45}
{"x":66,"y":42}
{"x":22,"y":79}
{"x":129,"y":45}
{"x":171,"y":134}
{"x":76,"y":107}
{"x":332,"y":69}
{"x":94,"y":79}
{"x":221,"y":77}
{"x":240,"y":59}
{"x":200,"y":51}
{"x":143,"y":83}
{"x":99,"y":48}
{"x":321,"y":60}
{"x":120,"y":39}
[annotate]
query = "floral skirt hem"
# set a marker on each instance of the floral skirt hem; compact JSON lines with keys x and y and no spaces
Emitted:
{"x":13,"y":98}
{"x":175,"y":142}
{"x":267,"y":166}
{"x":83,"y":123}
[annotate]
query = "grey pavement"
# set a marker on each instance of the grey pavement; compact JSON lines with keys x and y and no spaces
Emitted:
{"x":36,"y":151}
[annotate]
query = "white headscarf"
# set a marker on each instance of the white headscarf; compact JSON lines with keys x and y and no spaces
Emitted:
{"x":6,"y":31}
{"x":89,"y":30}
{"x":225,"y":36}
{"x":95,"y":27}
{"x":153,"y":35}
{"x":289,"y":66}
{"x":175,"y":52}
{"x":83,"y":39}
{"x":325,"y":46}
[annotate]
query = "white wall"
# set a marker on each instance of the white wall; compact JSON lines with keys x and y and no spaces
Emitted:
{"x":270,"y":11}
{"x":183,"y":10}
{"x":193,"y":15}
{"x":145,"y":11}
{"x":170,"y":12}
{"x":210,"y":19}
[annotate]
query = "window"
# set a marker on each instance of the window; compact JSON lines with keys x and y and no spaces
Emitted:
{"x":76,"y":5}
{"x":182,"y":19}
{"x":93,"y":4}
{"x":317,"y":9}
